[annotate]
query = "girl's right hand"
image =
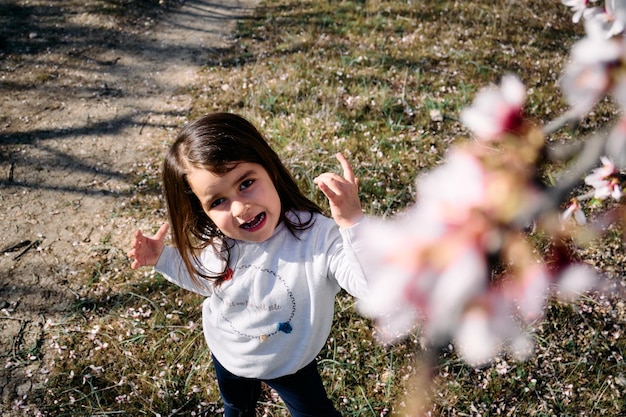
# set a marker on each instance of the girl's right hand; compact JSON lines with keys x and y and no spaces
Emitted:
{"x":145,"y":251}
{"x":342,"y":193}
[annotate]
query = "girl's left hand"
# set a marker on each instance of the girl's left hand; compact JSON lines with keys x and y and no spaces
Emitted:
{"x":342,"y":193}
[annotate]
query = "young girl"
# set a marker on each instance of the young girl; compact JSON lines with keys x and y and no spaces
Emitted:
{"x":269,"y":263}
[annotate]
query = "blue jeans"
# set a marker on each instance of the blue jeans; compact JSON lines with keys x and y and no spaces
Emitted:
{"x":302,"y":392}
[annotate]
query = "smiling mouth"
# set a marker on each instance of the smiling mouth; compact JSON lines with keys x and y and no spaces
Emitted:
{"x":254,"y":223}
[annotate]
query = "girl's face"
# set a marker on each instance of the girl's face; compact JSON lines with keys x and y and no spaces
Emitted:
{"x":243,"y":203}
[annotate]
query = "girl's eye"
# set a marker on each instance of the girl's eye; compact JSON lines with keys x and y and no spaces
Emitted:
{"x":217,"y":202}
{"x":246,"y":184}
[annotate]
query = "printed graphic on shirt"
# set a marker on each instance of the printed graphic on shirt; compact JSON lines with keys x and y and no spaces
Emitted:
{"x":257,"y":303}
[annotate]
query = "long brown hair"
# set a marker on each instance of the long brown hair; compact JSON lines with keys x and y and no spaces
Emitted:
{"x":217,"y":142}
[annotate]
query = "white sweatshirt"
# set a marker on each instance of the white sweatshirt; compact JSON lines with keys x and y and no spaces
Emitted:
{"x":274,"y":316}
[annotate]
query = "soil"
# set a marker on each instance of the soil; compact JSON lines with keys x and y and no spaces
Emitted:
{"x":86,"y":98}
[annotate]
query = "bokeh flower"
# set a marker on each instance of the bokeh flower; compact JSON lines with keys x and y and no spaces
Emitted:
{"x":458,"y":264}
{"x":430,"y":266}
{"x":589,"y":75}
{"x":579,"y":7}
{"x":476,"y":340}
{"x":496,"y":111}
{"x":607,"y":21}
{"x":575,"y":280}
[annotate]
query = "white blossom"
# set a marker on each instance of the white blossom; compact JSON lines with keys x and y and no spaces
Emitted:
{"x":496,"y":111}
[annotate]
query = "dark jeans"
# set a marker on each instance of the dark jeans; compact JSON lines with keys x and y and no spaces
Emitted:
{"x":302,"y":392}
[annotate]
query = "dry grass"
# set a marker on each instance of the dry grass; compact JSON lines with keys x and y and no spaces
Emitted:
{"x":382,"y":81}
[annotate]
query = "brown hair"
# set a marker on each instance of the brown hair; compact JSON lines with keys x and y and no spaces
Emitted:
{"x":217,"y":142}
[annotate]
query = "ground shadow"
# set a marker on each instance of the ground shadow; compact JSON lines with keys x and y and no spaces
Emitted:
{"x":42,"y":43}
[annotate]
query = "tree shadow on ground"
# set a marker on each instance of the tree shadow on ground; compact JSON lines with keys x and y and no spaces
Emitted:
{"x":56,"y":53}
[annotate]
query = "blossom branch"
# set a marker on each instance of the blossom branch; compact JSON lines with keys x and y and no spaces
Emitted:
{"x":568,"y":117}
{"x":592,"y":149}
{"x":435,"y":263}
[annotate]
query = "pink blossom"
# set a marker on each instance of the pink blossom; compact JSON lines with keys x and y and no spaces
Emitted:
{"x":414,"y":285}
{"x":428,"y":263}
{"x":606,"y":22}
{"x":462,"y":280}
{"x":530,"y":291}
{"x":587,"y":77}
{"x":575,"y":211}
{"x":429,"y":267}
{"x":496,"y":111}
{"x":423,"y":271}
{"x":575,"y":280}
{"x":578,"y":7}
{"x":485,"y":328}
{"x":604,"y":180}
{"x":476,"y":339}
{"x":401,"y":276}
{"x":393,"y":262}
{"x":451,"y":191}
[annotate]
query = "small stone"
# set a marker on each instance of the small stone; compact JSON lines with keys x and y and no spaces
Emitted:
{"x":24,"y":389}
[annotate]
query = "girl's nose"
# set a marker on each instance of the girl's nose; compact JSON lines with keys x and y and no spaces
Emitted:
{"x":239,"y":209}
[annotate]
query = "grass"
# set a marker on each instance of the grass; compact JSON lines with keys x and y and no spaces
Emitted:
{"x":383,"y":82}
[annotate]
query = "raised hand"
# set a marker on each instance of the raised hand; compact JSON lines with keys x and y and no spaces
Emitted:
{"x":342,"y":194}
{"x":145,"y":251}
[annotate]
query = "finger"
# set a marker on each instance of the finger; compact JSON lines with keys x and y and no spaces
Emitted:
{"x":328,"y":191}
{"x":160,"y":234}
{"x":331,"y":183}
{"x":137,"y":237}
{"x":348,"y":173}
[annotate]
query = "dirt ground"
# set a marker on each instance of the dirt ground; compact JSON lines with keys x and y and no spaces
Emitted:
{"x":85,"y":100}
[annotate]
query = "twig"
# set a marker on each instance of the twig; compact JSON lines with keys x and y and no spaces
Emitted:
{"x":179,"y":409}
{"x":144,"y":123}
{"x":587,"y":196}
{"x":562,"y":120}
{"x":15,"y":247}
{"x":564,"y":152}
{"x":26,"y":249}
{"x":588,"y":158}
{"x":18,"y":337}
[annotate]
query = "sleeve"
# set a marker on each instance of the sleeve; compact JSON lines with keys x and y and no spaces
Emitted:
{"x":346,"y":248}
{"x":171,"y":266}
